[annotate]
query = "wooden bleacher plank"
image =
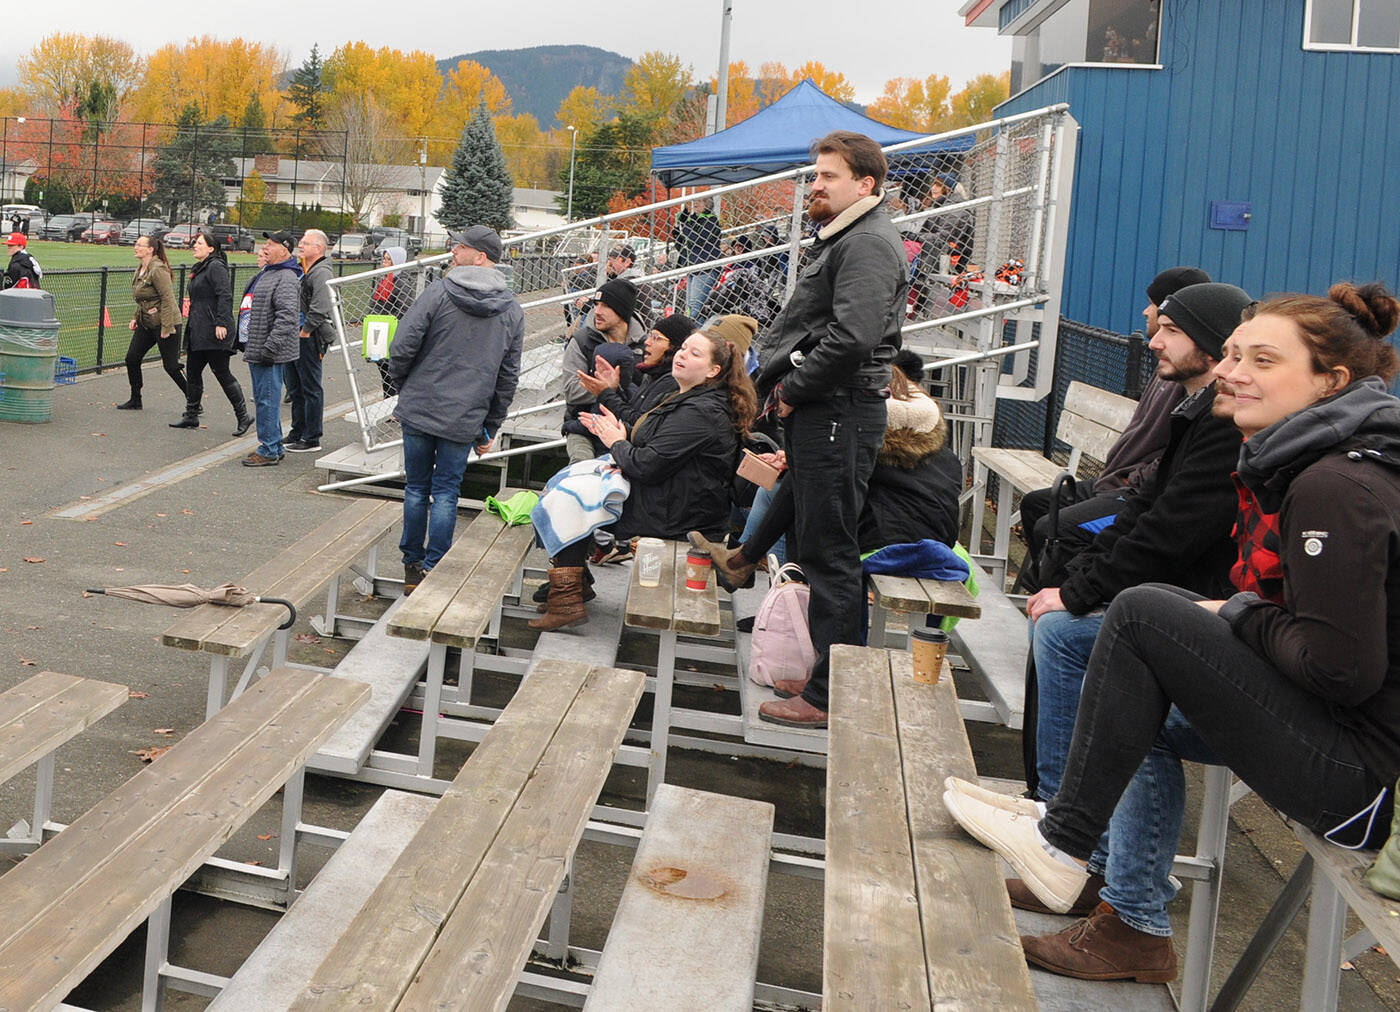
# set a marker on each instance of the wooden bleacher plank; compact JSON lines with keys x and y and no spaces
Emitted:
{"x":301,"y":580}
{"x":42,"y":712}
{"x":480,"y":952}
{"x":1024,"y":469}
{"x":709,"y":921}
{"x":390,"y":666}
{"x":950,"y":599}
{"x":995,"y":649}
{"x":696,"y":611}
{"x":650,"y":607}
{"x":420,"y":614}
{"x":376,"y":958}
{"x":1346,"y":870}
{"x":67,"y":912}
{"x":1092,"y":437}
{"x":191,"y":631}
{"x":1101,"y":406}
{"x":872,"y":954}
{"x":971,"y":944}
{"x":277,"y":970}
{"x":469,"y":613}
{"x":900,"y":593}
{"x":596,"y":640}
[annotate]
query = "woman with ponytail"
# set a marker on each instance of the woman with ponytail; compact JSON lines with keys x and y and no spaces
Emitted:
{"x":679,"y":458}
{"x":1299,"y":695}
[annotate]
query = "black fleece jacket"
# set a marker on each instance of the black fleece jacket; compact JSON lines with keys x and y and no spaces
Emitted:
{"x":1178,"y":531}
{"x":1335,"y":469}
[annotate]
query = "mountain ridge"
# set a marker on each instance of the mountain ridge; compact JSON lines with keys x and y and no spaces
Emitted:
{"x":538,"y":78}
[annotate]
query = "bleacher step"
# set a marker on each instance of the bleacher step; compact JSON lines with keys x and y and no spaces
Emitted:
{"x":995,"y":647}
{"x":752,"y":695}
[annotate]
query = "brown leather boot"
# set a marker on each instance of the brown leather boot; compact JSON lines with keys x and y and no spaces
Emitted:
{"x":732,"y":569}
{"x":565,"y":604}
{"x":1102,"y":947}
{"x":1023,"y":899}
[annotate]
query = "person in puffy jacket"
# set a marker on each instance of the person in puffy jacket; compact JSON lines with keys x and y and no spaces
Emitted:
{"x":679,"y":458}
{"x":274,"y":319}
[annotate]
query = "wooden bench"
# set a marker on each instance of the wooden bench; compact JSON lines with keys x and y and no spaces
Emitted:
{"x":916,"y":912}
{"x":36,"y":717}
{"x":296,"y":574}
{"x":452,"y":922}
{"x":1334,"y":877}
{"x":1091,"y":422}
{"x":74,"y":900}
{"x":686,"y":934}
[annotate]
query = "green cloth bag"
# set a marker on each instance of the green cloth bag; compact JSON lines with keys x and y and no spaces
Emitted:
{"x":515,"y":511}
{"x":1384,"y":875}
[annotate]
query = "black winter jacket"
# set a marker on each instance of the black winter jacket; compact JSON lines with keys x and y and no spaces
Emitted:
{"x":656,"y":385}
{"x":211,"y":305}
{"x":1178,"y":531}
{"x":680,"y":461}
{"x":1333,"y":469}
{"x":845,"y":314}
{"x":911,"y":503}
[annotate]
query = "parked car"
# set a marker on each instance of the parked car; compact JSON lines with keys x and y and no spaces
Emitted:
{"x":385,"y":237}
{"x":234,"y":237}
{"x":137,"y":227}
{"x":33,"y":214}
{"x":181,"y":236}
{"x":354,"y":246}
{"x":106,"y":233}
{"x":65,"y":227}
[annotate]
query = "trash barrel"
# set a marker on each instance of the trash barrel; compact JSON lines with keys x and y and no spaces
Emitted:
{"x":28,"y":354}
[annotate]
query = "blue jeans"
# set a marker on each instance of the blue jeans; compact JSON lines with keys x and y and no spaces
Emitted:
{"x":433,"y":467}
{"x":762,"y":499}
{"x":308,"y":397}
{"x":697,"y":290}
{"x":267,"y":402}
{"x":1062,"y":643}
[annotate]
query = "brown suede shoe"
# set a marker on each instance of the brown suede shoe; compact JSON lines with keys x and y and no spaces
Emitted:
{"x":794,"y":712}
{"x":1023,"y":899}
{"x":786,"y":688}
{"x":732,"y":570}
{"x":1102,"y":947}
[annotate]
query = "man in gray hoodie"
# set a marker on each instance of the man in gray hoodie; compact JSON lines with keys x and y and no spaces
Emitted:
{"x":455,"y":361}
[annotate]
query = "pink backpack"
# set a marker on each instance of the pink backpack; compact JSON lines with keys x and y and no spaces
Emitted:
{"x":782,"y":645}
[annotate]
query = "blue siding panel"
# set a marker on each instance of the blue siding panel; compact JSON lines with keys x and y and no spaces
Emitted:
{"x":1239,"y":112}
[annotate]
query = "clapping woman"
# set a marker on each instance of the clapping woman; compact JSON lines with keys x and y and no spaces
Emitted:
{"x":209,"y":334}
{"x":157,"y":319}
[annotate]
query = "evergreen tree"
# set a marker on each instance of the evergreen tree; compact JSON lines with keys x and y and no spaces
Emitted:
{"x":255,"y":139}
{"x":477,"y":188}
{"x":613,"y":160}
{"x":307,"y":92}
{"x":190,"y":170}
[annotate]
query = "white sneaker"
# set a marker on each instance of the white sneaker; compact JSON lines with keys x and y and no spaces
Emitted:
{"x":1013,"y":803}
{"x":1014,"y":837}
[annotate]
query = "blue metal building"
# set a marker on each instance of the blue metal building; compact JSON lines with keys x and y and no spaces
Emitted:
{"x":1258,"y":139}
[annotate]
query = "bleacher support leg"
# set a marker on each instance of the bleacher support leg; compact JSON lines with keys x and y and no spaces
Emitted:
{"x":661,"y":711}
{"x":1322,"y":966}
{"x":1205,"y":893}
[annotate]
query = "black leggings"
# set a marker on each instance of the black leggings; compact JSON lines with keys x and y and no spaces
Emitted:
{"x":1156,"y":648}
{"x":217,"y":361}
{"x":142,"y":341}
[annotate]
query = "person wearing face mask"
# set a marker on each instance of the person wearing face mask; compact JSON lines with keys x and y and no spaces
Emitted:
{"x":1298,"y":694}
{"x":209,"y":334}
{"x":678,"y":457}
{"x":157,"y":318}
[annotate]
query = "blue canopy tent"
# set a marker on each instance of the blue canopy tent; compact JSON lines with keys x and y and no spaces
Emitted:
{"x":780,"y":137}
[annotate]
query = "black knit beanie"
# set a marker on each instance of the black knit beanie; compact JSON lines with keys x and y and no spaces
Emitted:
{"x":1208,"y":313}
{"x":1174,"y":279}
{"x":620,"y":296}
{"x":676,"y":328}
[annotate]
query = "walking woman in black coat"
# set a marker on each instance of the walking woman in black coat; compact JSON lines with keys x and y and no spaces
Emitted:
{"x":209,"y":334}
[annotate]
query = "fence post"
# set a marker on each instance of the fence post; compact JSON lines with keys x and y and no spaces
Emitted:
{"x":1133,"y":385}
{"x":1047,"y":447}
{"x":101,"y":316}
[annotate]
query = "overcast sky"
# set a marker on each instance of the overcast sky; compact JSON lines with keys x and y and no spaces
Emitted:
{"x":867,"y":44}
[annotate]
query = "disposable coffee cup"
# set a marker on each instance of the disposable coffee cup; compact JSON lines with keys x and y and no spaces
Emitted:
{"x":929,"y":647}
{"x":649,"y":561}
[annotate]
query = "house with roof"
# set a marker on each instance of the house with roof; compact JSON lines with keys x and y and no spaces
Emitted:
{"x":1255,"y":139}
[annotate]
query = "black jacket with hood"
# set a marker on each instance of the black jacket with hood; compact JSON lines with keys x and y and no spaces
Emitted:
{"x":1176,"y":532}
{"x":455,"y":359}
{"x":846,"y":312}
{"x":655,"y":386}
{"x":1333,"y":472}
{"x":914,"y":488}
{"x":680,"y":461}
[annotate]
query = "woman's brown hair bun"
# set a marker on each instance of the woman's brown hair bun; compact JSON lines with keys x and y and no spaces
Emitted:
{"x":1372,"y":305}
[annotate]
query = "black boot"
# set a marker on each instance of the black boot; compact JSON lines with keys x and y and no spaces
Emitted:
{"x":189,"y":420}
{"x":242,"y":420}
{"x":131,"y":404}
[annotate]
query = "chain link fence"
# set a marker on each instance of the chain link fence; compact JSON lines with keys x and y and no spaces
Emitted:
{"x":975,"y":207}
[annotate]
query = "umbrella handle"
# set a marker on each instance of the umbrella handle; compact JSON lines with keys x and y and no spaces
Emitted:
{"x":94,"y":590}
{"x":291,"y":610}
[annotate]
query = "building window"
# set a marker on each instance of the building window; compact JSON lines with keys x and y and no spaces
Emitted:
{"x":1365,"y":25}
{"x":1084,"y":32}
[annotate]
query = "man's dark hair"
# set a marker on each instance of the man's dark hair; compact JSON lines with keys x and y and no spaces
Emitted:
{"x":858,"y":151}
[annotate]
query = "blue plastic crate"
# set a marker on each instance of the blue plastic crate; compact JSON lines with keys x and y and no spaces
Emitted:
{"x":67,"y":371}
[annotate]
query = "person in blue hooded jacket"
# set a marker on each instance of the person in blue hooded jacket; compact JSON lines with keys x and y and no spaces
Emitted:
{"x":455,"y":361}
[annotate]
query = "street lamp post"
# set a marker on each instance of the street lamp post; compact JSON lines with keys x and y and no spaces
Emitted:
{"x":573,"y":145}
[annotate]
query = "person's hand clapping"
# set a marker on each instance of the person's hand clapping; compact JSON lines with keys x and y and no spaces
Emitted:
{"x":605,"y":426}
